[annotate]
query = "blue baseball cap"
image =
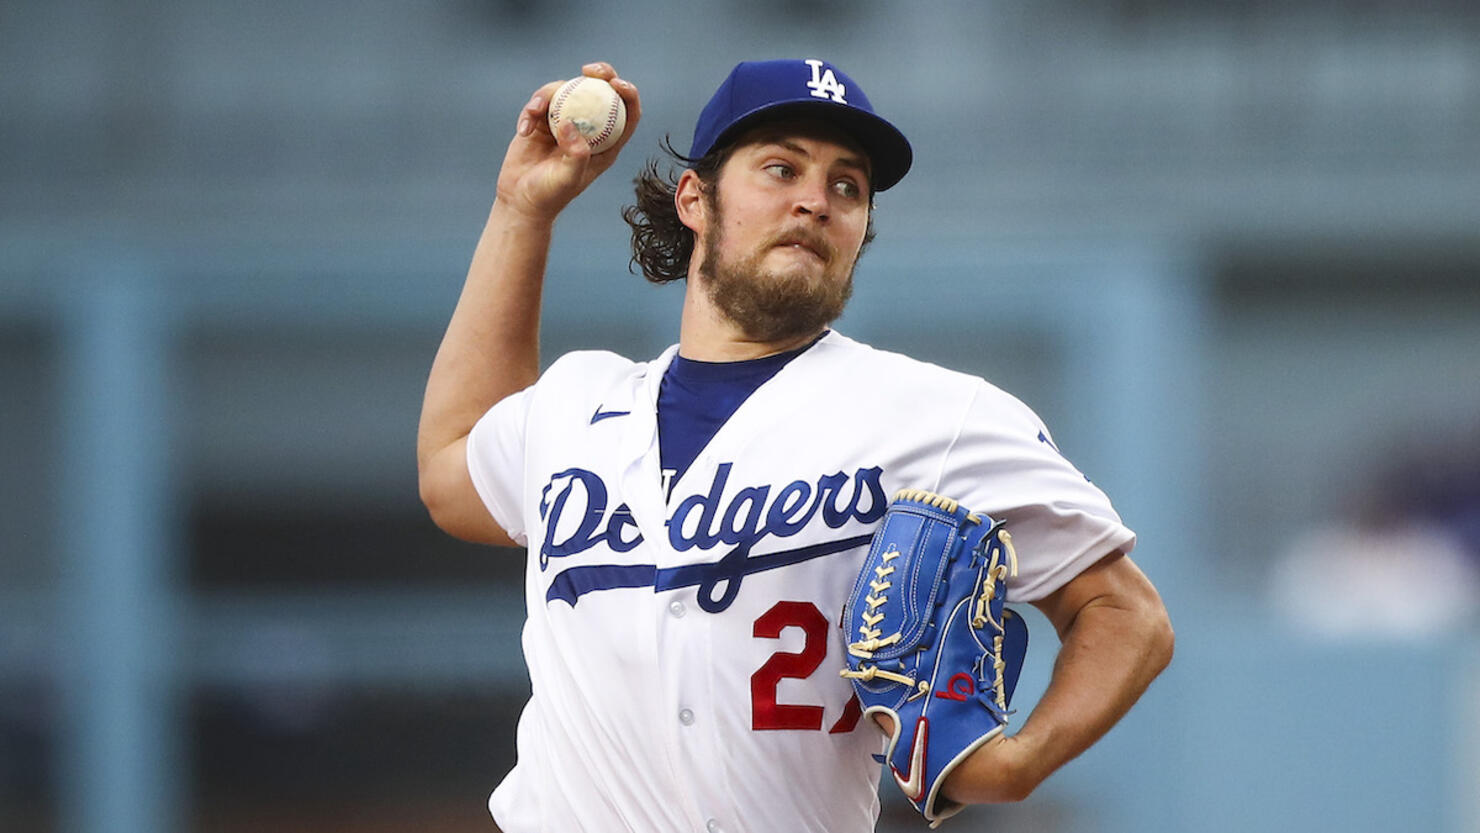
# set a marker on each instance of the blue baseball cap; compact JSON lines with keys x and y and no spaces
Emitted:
{"x":760,"y":91}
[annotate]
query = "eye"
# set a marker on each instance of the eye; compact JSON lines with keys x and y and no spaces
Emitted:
{"x":781,"y":170}
{"x":848,"y":189}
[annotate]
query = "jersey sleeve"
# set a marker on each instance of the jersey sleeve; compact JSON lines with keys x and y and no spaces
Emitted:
{"x":1005,"y":460}
{"x":496,"y":456}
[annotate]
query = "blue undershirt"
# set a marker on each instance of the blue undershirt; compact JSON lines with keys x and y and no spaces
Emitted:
{"x":695,"y":398}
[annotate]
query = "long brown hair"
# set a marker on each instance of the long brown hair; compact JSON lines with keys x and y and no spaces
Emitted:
{"x":661,"y":244}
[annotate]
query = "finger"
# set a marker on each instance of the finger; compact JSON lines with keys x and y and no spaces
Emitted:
{"x":572,"y":142}
{"x":628,"y":91}
{"x":534,"y":118}
{"x":885,"y":722}
{"x":599,"y":69}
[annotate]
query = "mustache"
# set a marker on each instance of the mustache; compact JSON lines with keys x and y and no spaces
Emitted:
{"x":804,"y":237}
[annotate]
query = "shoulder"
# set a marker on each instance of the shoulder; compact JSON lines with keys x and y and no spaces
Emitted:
{"x":842,"y":350}
{"x":585,"y":373}
{"x":584,"y":364}
{"x":584,"y":379}
{"x":975,"y":406}
{"x":888,"y":370}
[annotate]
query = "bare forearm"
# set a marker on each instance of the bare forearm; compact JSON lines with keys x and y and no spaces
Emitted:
{"x":1116,"y":638}
{"x":491,"y":347}
{"x":1107,"y":661}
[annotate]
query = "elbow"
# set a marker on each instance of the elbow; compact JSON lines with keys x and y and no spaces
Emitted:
{"x":437,"y":486}
{"x":455,"y":508}
{"x":441,"y":505}
{"x":436,"y":505}
{"x":460,"y":523}
{"x":1153,"y":627}
{"x":1161,"y":639}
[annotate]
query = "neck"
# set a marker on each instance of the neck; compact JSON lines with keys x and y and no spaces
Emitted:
{"x":707,"y":335}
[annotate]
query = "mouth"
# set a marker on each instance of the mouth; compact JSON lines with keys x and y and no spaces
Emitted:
{"x":807,"y":245}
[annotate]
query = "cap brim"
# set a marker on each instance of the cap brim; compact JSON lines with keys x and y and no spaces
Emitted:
{"x":888,"y":150}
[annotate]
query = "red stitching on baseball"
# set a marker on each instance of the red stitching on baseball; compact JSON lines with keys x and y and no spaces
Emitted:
{"x":611,"y":123}
{"x":561,"y":95}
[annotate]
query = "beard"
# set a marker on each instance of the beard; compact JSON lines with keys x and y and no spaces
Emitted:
{"x":776,"y":304}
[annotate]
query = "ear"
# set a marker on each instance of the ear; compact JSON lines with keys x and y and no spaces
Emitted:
{"x":688,"y":198}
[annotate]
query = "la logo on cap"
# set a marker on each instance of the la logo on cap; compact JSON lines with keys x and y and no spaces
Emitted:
{"x":801,"y":88}
{"x":824,"y":84}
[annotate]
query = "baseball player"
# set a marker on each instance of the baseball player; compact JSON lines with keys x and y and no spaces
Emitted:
{"x":695,"y":522}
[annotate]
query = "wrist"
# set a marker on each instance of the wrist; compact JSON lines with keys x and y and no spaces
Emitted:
{"x":516,"y":214}
{"x":1000,"y":771}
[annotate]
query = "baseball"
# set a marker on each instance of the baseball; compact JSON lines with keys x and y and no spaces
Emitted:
{"x":593,"y":107}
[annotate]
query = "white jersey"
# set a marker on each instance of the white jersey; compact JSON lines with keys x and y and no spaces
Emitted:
{"x":683,"y":645}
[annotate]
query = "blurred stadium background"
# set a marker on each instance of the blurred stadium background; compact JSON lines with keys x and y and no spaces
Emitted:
{"x":1230,"y":251}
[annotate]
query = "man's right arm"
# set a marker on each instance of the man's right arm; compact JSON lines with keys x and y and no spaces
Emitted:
{"x":491,"y":347}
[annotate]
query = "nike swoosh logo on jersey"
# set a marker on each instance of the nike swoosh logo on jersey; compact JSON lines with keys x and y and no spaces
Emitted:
{"x":600,"y":414}
{"x":914,"y":784}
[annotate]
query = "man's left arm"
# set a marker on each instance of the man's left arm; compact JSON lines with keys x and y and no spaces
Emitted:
{"x":1116,"y":638}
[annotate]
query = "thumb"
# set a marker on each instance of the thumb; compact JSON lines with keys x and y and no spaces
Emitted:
{"x":575,"y":156}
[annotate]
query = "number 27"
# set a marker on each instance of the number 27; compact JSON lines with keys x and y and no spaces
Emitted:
{"x":765,"y":712}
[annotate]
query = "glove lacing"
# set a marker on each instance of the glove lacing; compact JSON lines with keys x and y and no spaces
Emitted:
{"x":871,"y":642}
{"x":996,"y":571}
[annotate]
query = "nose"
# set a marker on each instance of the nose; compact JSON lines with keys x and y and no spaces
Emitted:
{"x":811,"y":200}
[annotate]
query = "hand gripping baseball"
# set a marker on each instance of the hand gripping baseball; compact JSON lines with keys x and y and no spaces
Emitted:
{"x":543,"y":171}
{"x":929,"y":641}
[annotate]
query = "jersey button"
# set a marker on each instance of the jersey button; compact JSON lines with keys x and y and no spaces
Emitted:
{"x":677,"y":609}
{"x":686,"y":717}
{"x":713,"y":826}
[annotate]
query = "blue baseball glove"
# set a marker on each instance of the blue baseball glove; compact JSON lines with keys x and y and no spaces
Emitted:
{"x":929,"y":641}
